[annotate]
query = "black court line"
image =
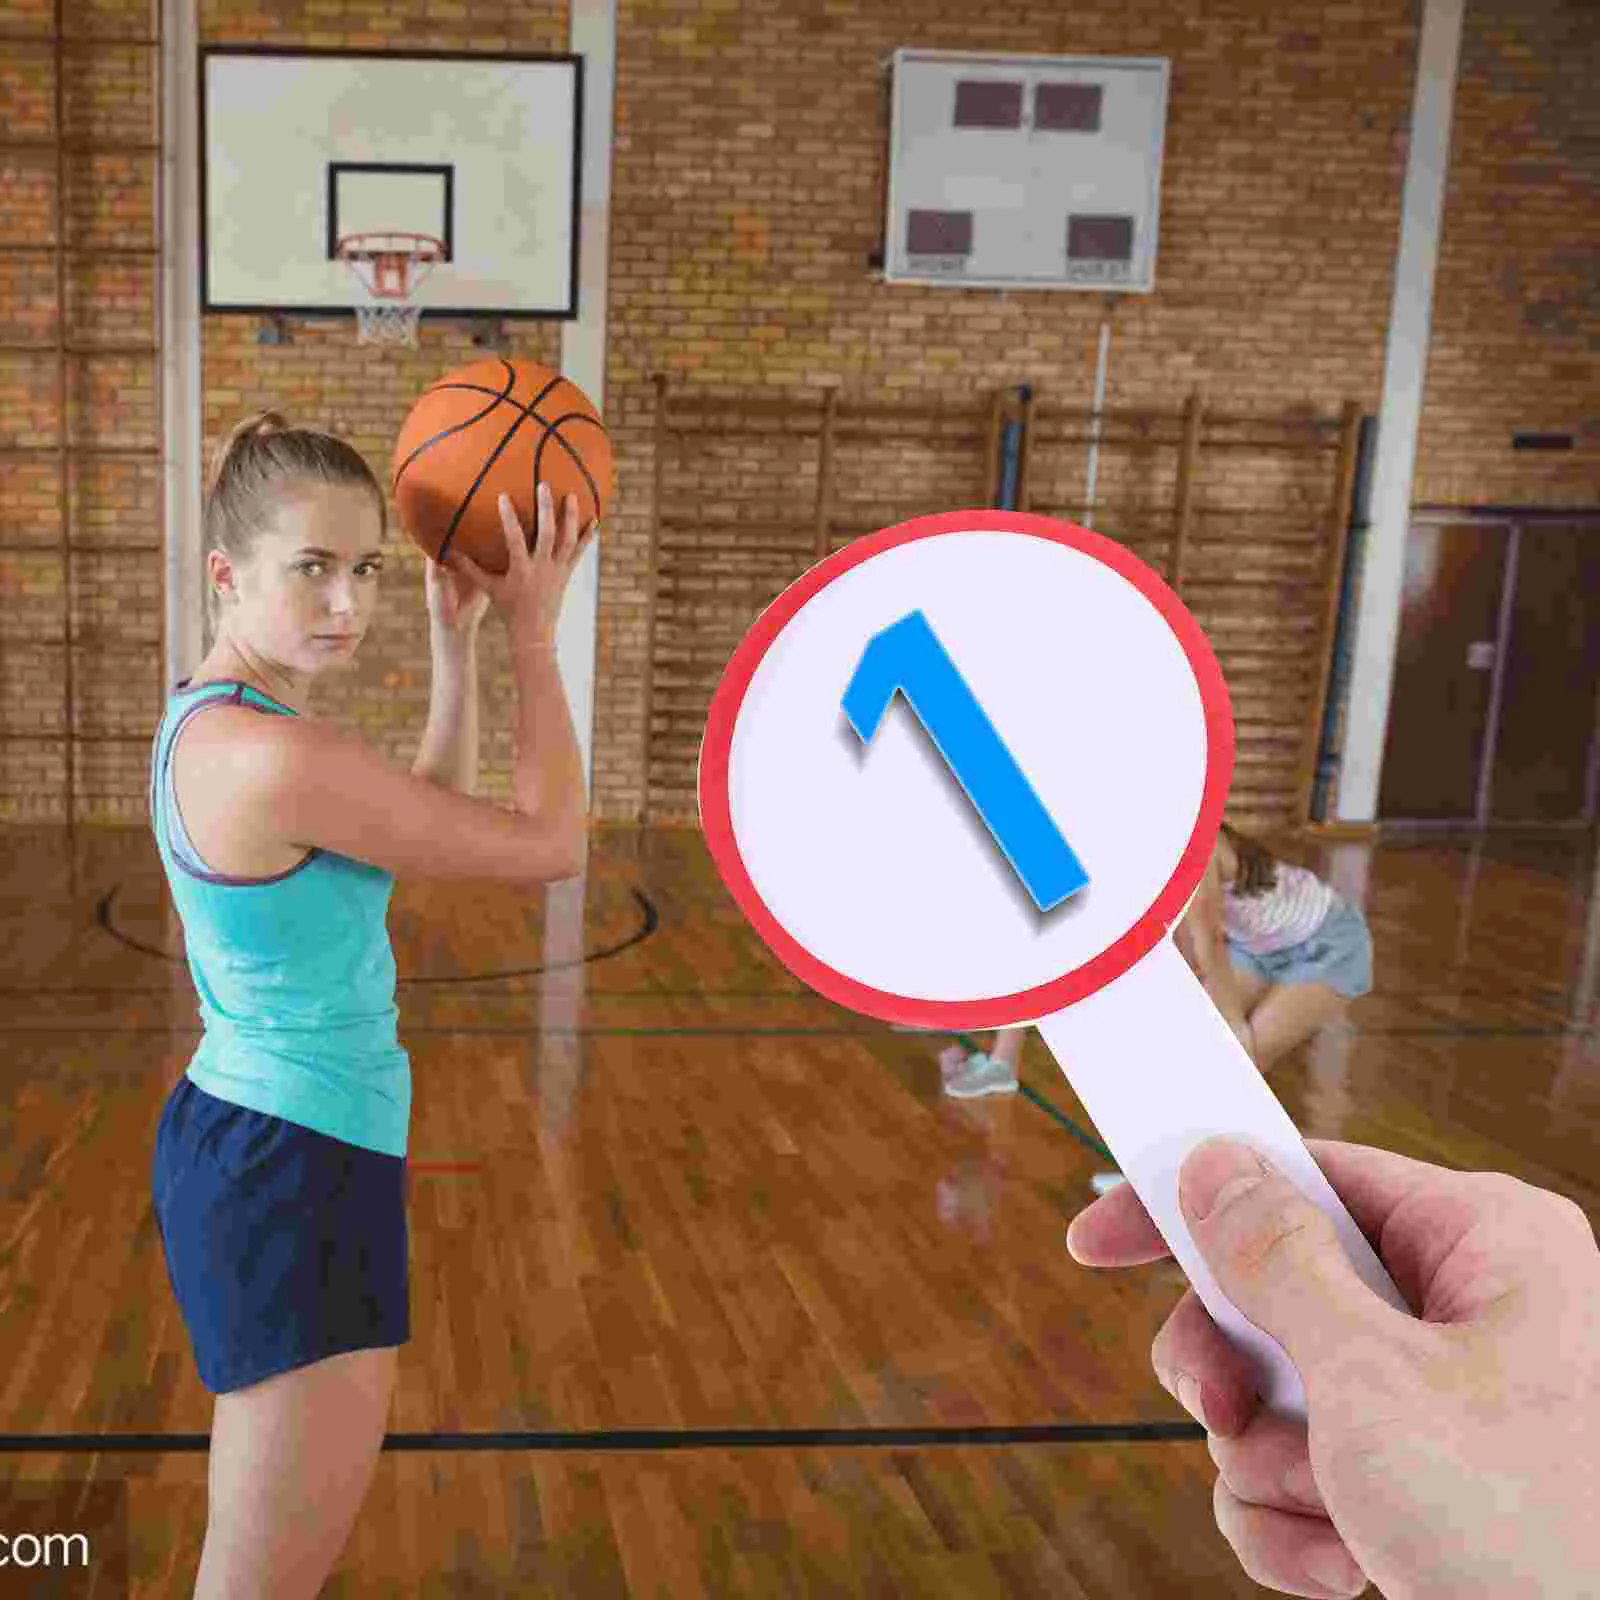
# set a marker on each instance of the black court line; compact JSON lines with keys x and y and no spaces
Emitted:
{"x":651,"y":1439}
{"x":524,"y":1030}
{"x":650,"y":919}
{"x":649,"y":923}
{"x":1556,"y":1027}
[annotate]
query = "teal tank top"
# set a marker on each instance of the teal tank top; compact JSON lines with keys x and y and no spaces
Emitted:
{"x":295,"y":973}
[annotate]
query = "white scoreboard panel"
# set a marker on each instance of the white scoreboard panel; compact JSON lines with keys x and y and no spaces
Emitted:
{"x":1025,"y":172}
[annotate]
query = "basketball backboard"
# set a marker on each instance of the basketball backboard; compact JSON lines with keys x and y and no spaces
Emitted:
{"x":304,"y":148}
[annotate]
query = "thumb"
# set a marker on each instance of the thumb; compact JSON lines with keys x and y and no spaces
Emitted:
{"x":1276,"y":1256}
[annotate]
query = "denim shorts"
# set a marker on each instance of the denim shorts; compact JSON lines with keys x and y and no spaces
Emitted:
{"x":1338,"y":954}
{"x":283,"y":1246}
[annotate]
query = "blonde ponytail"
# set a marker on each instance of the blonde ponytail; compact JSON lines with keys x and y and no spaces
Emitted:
{"x":264,"y":457}
{"x":261,"y":426}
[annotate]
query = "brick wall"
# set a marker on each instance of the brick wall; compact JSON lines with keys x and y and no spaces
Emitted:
{"x":1516,"y":332}
{"x":747,"y":193}
{"x":748,"y":197}
{"x":111,"y":105}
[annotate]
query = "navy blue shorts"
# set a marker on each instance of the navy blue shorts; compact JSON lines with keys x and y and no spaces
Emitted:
{"x":283,"y":1246}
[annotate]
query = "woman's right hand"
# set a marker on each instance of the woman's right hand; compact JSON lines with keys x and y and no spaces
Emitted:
{"x":528,"y":594}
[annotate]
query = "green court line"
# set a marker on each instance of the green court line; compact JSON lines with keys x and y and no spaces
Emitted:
{"x":1067,"y":1122}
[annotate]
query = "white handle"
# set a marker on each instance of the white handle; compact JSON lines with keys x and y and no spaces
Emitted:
{"x":1158,"y":1070}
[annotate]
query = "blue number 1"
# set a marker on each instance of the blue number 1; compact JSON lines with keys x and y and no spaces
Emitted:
{"x":909,"y":658}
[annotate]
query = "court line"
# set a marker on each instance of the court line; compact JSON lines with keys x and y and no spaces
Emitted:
{"x":649,"y":925}
{"x":652,"y":1439}
{"x":1551,"y":1030}
{"x":1060,"y":1116}
{"x":650,"y":921}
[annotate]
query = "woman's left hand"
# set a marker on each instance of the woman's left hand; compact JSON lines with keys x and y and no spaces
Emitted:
{"x":456,"y":605}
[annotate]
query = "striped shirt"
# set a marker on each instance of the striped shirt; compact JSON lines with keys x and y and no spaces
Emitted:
{"x":1286,"y":914}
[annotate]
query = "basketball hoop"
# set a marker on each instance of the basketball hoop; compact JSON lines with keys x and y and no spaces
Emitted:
{"x":389,"y":266}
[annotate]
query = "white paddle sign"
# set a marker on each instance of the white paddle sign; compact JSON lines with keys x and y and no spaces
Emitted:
{"x":1014,"y":840}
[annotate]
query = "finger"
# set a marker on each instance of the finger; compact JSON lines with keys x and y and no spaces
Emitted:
{"x":545,"y":514}
{"x":1204,"y":1371}
{"x":1269,"y":1464}
{"x":1292,"y":1554}
{"x":582,"y":540}
{"x":1115,"y":1231}
{"x":567,"y":540}
{"x":1277,"y":1257}
{"x":516,"y":534}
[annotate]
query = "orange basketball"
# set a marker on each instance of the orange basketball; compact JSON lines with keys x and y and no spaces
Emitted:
{"x":496,"y":427}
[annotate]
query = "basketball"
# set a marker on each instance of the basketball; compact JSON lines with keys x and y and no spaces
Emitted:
{"x":491,"y":428}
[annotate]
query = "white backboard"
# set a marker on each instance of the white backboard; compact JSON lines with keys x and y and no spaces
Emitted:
{"x":302,"y":148}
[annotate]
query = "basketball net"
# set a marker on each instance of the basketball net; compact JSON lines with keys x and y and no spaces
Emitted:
{"x":389,"y":267}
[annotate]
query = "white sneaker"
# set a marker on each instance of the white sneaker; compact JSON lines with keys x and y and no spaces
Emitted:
{"x":981,"y":1076}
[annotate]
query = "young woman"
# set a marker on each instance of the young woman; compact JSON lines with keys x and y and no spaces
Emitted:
{"x":279,"y":1170}
{"x":1279,"y":951}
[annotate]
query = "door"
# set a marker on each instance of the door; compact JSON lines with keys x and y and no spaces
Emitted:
{"x":1542,"y":765}
{"x":1444,"y":668}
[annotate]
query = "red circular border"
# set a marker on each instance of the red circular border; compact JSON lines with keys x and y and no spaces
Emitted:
{"x":1026,"y":1005}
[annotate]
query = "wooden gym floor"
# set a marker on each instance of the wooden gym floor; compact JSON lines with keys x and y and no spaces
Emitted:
{"x":709,"y":1281}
